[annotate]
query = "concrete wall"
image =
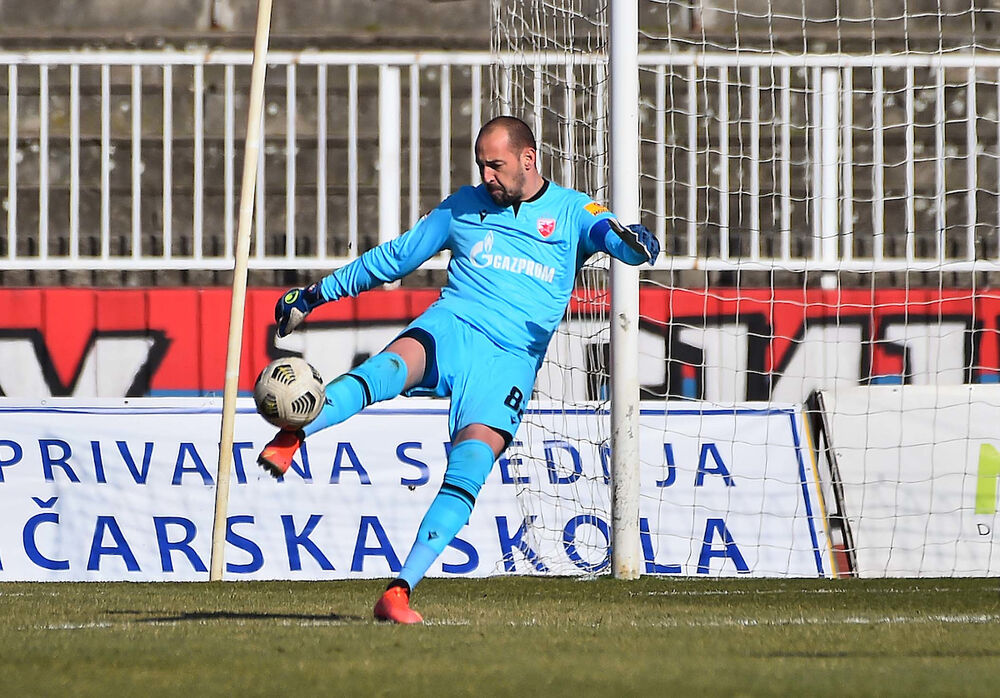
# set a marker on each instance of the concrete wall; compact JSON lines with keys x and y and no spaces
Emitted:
{"x":342,"y":17}
{"x":462,"y":20}
{"x":467,"y":23}
{"x":48,"y":17}
{"x":832,"y":25}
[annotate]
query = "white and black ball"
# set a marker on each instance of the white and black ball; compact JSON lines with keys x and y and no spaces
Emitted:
{"x":289,"y":393}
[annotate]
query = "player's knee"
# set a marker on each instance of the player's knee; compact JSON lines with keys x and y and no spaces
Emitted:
{"x":494,"y":438}
{"x":382,"y":376}
{"x":469,"y":464}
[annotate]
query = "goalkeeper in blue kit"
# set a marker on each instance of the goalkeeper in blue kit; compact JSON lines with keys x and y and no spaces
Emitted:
{"x":517,"y":242}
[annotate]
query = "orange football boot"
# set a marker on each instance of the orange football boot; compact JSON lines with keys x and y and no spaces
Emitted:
{"x":394,"y":606}
{"x":276,"y":458}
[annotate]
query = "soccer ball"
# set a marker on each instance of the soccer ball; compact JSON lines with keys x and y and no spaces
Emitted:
{"x":289,"y":393}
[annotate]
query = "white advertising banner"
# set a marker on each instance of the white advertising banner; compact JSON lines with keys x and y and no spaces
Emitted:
{"x":919,"y":468}
{"x":125,"y":490}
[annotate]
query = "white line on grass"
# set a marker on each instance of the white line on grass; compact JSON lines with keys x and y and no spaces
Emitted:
{"x":850,"y":620}
{"x":762,"y":592}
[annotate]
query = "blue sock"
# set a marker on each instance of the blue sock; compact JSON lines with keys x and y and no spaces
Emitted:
{"x":381,"y":377}
{"x":468,"y":465}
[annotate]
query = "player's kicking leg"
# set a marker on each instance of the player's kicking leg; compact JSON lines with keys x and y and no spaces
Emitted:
{"x":276,"y":458}
{"x":398,"y":367}
{"x":469,"y":463}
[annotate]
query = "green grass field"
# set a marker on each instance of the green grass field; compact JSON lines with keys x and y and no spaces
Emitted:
{"x":505,"y":636}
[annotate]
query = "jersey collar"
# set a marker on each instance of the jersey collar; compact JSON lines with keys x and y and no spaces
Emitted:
{"x":545,"y":185}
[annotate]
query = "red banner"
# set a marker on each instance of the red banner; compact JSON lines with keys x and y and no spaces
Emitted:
{"x":711,"y":344}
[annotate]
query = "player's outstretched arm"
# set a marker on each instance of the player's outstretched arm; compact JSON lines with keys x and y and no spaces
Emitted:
{"x":386,"y":263}
{"x":632,"y":244}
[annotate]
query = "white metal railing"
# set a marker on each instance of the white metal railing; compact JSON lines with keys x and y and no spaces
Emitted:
{"x":126,"y":160}
{"x":153,"y":80}
{"x":945,"y":217}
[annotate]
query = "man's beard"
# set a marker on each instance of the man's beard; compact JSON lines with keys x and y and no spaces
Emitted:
{"x":502,"y":198}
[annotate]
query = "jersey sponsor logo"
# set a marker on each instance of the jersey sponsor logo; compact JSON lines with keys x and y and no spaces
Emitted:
{"x":595,"y":208}
{"x":546,"y":226}
{"x":482,"y":257}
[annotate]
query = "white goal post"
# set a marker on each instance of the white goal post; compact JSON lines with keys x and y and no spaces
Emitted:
{"x":623,"y":111}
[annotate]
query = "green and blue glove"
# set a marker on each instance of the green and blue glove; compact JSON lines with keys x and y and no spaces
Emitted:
{"x":292,"y":308}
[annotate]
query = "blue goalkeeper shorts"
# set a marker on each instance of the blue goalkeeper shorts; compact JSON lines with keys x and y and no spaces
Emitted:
{"x":488,"y":385}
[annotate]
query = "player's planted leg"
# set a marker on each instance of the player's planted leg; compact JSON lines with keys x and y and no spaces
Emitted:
{"x":381,"y":377}
{"x":469,"y":463}
{"x":394,"y":605}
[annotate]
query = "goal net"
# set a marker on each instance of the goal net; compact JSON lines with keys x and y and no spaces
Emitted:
{"x":823,"y":179}
{"x":551,"y":71}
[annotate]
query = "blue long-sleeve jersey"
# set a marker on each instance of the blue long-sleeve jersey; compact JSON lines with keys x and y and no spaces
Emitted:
{"x":512,"y":269}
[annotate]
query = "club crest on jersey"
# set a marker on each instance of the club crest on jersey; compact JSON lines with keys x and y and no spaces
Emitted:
{"x":546,"y":226}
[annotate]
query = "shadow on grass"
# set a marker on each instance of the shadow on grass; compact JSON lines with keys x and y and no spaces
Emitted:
{"x":202,"y":616}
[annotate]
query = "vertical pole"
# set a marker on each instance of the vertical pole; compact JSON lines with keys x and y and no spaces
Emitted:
{"x":352,"y":160}
{"x":74,"y":161}
{"x":389,"y":152}
{"x":692,"y":191}
{"x":167,"y":208}
{"x":910,"y":141}
{"x":476,"y":118}
{"x":251,"y":151}
{"x":661,"y":154}
{"x":847,"y":164}
{"x":198,"y":135}
{"x":878,"y":165}
{"x":444,"y":160}
{"x":12,"y":148}
{"x":940,"y":200}
{"x":786,"y":163}
{"x":414,"y":146}
{"x":321,"y":147}
{"x":724,"y":163}
{"x":43,"y":161}
{"x":136,"y":161}
{"x":626,"y":555}
{"x":105,"y":161}
{"x":755,"y":163}
{"x":291,"y":143}
{"x":829,"y":224}
{"x":569,"y":137}
{"x":228,"y":146}
{"x":971,"y":175}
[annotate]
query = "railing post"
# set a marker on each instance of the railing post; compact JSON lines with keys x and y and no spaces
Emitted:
{"x":829,"y":164}
{"x":389,"y":153}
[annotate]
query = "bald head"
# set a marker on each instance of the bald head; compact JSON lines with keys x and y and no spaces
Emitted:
{"x":506,"y":155}
{"x":519,"y":136}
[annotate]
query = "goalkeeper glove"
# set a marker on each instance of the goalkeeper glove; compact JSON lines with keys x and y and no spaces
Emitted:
{"x":292,"y":308}
{"x":639,"y":240}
